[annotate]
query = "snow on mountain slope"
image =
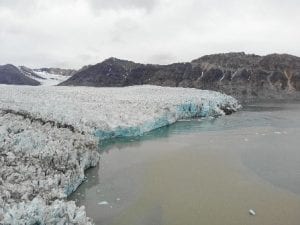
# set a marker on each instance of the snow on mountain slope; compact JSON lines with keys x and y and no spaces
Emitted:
{"x":47,"y":76}
{"x":49,"y":135}
{"x":50,"y":79}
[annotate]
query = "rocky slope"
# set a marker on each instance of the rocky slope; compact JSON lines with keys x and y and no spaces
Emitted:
{"x":10,"y":74}
{"x":22,"y":75}
{"x":238,"y":74}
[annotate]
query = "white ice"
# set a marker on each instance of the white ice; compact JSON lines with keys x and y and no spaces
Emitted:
{"x":49,"y":78}
{"x":48,"y":137}
{"x":112,"y":112}
{"x":103,"y":203}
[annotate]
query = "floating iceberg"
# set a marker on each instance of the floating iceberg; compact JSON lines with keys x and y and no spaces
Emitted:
{"x":103,"y":203}
{"x":49,"y":136}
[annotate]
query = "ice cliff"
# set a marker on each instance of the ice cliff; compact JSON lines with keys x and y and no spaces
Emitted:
{"x":49,"y":136}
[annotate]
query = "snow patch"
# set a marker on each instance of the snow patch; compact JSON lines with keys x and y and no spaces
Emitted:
{"x":49,"y":79}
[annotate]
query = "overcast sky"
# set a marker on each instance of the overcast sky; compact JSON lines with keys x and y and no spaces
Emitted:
{"x":73,"y":33}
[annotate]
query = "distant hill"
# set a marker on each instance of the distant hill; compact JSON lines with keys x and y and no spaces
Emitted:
{"x":10,"y":74}
{"x":241,"y":75}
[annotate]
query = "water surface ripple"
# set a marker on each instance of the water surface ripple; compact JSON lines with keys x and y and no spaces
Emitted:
{"x":208,"y":171}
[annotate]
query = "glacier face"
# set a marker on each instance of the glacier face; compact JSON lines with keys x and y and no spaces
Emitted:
{"x":38,"y":212}
{"x":49,"y":135}
{"x":104,"y":111}
{"x":38,"y":164}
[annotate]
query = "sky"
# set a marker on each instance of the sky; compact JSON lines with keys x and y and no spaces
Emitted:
{"x":74,"y":33}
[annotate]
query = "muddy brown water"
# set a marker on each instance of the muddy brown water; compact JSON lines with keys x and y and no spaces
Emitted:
{"x":207,"y":172}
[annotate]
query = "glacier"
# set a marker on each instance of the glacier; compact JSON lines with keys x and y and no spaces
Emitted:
{"x":50,"y":135}
{"x":47,"y":79}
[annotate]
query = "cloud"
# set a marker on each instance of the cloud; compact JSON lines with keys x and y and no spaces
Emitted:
{"x":163,"y":58}
{"x":72,"y":33}
{"x":147,"y":5}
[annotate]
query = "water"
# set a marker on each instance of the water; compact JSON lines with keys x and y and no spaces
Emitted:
{"x":208,"y":172}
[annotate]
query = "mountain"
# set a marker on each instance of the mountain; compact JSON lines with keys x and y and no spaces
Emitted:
{"x":10,"y":74}
{"x":245,"y":76}
{"x":29,"y":72}
{"x":52,"y":76}
{"x":22,"y":75}
{"x":56,"y":71}
{"x":110,"y":73}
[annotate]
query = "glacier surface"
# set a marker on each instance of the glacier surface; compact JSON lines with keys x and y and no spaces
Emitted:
{"x":47,"y":79}
{"x":49,"y":136}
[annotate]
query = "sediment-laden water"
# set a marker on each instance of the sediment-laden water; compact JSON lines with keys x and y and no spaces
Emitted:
{"x":209,"y":172}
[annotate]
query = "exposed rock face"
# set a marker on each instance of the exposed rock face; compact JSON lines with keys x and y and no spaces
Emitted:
{"x":58,"y":71}
{"x":110,"y":73}
{"x":251,"y":76}
{"x":10,"y":74}
{"x":238,"y":74}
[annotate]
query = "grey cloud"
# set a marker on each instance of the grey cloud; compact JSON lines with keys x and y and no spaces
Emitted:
{"x":163,"y":58}
{"x":72,"y":33}
{"x":19,"y":5}
{"x":122,"y":29}
{"x":10,"y":3}
{"x":147,"y":5}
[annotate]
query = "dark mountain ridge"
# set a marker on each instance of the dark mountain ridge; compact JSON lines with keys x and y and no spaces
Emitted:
{"x":22,"y":75}
{"x":10,"y":74}
{"x":245,"y":76}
